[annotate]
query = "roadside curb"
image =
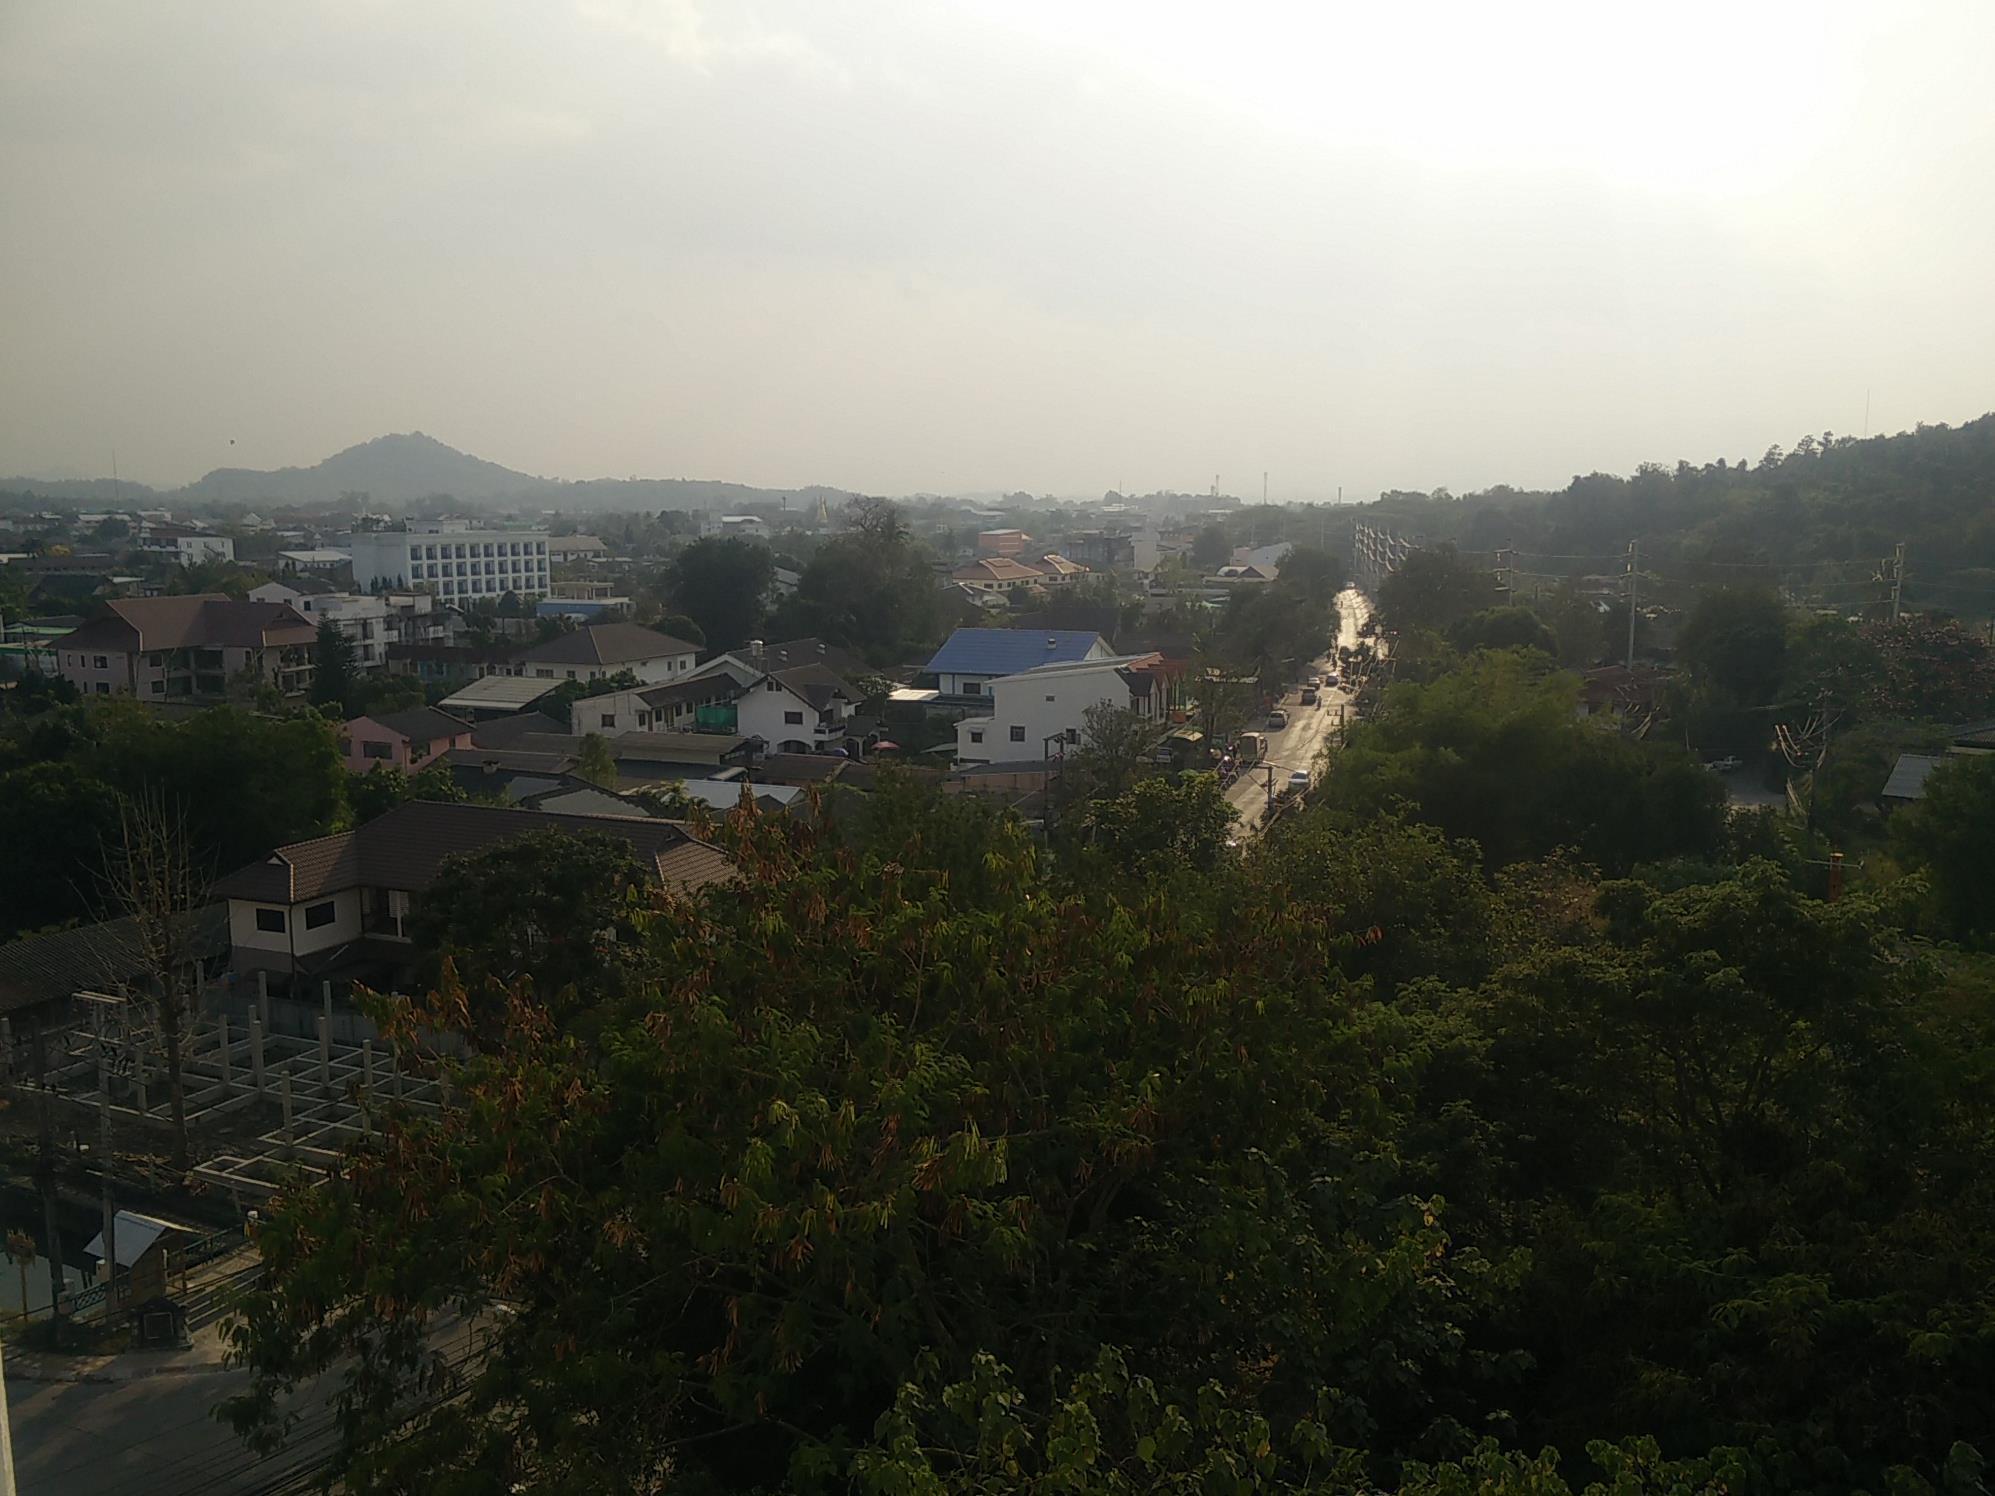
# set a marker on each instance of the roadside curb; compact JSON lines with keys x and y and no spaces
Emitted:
{"x":31,"y":1369}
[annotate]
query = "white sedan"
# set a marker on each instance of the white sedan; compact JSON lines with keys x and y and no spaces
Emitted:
{"x":1298,"y":779}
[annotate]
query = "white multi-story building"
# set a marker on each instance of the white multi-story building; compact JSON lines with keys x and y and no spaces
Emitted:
{"x":1034,"y":709}
{"x":366,"y":621}
{"x":457,"y":565}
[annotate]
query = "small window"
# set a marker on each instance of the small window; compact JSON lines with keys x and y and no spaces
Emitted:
{"x":976,"y":734}
{"x":318,"y":916}
{"x":793,"y":719}
{"x":159,"y":688}
{"x":270,"y":921}
{"x":543,"y":675}
{"x":371,"y":748}
{"x":608,"y":719}
{"x":1073,"y":734}
{"x":103,"y":663}
{"x":1052,"y":698}
{"x":972,"y":688}
{"x":571,"y":675}
{"x":103,"y":688}
{"x":1018,"y":734}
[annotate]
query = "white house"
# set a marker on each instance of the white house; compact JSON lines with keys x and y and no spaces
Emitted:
{"x":458,"y":565}
{"x":970,"y":659}
{"x":803,"y":709}
{"x":1034,"y":710}
{"x":192,"y":550}
{"x":601,"y":650}
{"x":671,"y":707}
{"x":365,"y":621}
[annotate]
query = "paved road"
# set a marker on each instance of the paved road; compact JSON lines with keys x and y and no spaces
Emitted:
{"x":1301,"y":743}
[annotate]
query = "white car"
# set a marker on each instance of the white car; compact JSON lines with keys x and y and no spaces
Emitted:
{"x":1723,"y":765}
{"x":1298,"y":779}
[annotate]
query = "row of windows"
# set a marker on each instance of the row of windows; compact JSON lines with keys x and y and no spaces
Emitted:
{"x":317,"y":917}
{"x":496,"y":586}
{"x":463,"y":550}
{"x":423,"y":570}
{"x":1072,"y":735}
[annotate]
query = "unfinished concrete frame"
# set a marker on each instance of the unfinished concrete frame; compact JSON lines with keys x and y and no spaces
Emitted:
{"x":271,"y":1108}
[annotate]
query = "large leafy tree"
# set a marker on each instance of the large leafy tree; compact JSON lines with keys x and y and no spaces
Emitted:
{"x":853,"y":1121}
{"x":720,"y":582}
{"x":55,"y":818}
{"x":336,"y":668}
{"x":1735,"y":640}
{"x":1949,"y":834}
{"x":1494,"y":752}
{"x":1434,"y":589}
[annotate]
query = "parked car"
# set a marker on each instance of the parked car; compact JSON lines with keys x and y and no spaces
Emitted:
{"x":1723,"y":765}
{"x":1277,"y":719}
{"x":1316,"y":680}
{"x":1309,"y":696}
{"x":1298,"y":779}
{"x":1330,"y":680}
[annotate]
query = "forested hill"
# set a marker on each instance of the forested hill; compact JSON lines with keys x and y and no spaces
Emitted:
{"x":1828,"y":503}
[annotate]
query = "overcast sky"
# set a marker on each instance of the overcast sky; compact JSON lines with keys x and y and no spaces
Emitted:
{"x":1041,"y":244}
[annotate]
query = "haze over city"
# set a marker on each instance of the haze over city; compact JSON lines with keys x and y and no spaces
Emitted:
{"x":961,"y":248}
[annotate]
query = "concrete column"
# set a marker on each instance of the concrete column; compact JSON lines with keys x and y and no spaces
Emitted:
{"x":256,"y":1027}
{"x":284,"y":1086}
{"x":395,"y":1072}
{"x":263,"y":998}
{"x":325,"y":1054}
{"x":366,"y":1081}
{"x":222,"y":1032}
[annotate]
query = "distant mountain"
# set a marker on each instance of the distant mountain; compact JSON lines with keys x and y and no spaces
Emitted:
{"x":400,"y":469}
{"x":392,"y":469}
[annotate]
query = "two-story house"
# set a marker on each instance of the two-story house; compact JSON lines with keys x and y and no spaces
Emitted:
{"x":401,"y":740}
{"x":176,"y":648}
{"x":343,"y":904}
{"x":600,"y":650}
{"x":365,"y":621}
{"x":972,"y":658}
{"x":803,"y":709}
{"x":1041,"y":712}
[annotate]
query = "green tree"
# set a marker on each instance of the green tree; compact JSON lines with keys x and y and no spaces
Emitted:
{"x":54,"y":818}
{"x":1161,"y":825}
{"x":384,"y":786}
{"x":1435,"y":589}
{"x":1211,"y":549}
{"x":596,"y":762}
{"x":555,"y":914}
{"x":1494,"y":752}
{"x":336,"y":668}
{"x":719,"y":583}
{"x":1503,"y":628}
{"x":1948,"y":833}
{"x":828,"y":1139}
{"x":1736,"y":640}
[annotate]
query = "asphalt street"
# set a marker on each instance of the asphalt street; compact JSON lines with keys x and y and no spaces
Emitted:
{"x":1310,"y":728}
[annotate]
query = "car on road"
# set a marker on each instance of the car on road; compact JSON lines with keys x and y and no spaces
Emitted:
{"x":1723,"y":765}
{"x":1316,"y":680}
{"x":1330,"y":680}
{"x":1309,"y":696}
{"x":1298,"y":779}
{"x":1277,"y":719}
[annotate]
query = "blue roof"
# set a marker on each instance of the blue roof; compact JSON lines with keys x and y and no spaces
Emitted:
{"x":1008,"y":651}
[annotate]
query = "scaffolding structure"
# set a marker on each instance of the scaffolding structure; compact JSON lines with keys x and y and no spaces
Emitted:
{"x":263,"y":1110}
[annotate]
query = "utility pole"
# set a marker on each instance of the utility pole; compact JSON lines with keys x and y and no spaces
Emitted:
{"x":1633,"y":562}
{"x":1897,"y":580}
{"x":1503,"y":578}
{"x":45,"y":1176}
{"x":104,"y":1164}
{"x":1270,"y":768}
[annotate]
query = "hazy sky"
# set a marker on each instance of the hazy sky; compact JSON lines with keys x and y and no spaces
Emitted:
{"x":1040,"y":244}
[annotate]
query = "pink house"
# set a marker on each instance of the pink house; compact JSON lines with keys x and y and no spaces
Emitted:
{"x":402,"y":740}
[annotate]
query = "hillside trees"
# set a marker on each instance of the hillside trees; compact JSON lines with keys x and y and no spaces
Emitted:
{"x":720,"y":583}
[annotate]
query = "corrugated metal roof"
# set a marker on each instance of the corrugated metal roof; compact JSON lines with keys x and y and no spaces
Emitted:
{"x":49,"y":968}
{"x":607,"y":644}
{"x":1908,"y":775}
{"x":1009,"y":651}
{"x":492,"y":691}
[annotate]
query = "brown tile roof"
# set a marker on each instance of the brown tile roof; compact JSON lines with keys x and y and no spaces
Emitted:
{"x":405,"y":848}
{"x":815,"y":684}
{"x":49,"y":968}
{"x":199,"y":620}
{"x":422,"y":724}
{"x":606,"y":644}
{"x":809,"y":650}
{"x":504,"y":732}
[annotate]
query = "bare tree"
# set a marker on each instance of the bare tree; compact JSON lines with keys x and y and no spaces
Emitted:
{"x":151,"y":878}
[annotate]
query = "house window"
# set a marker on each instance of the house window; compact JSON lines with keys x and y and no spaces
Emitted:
{"x":544,"y":674}
{"x":609,"y":719}
{"x":318,"y":916}
{"x":972,"y":688}
{"x":103,"y":688}
{"x":102,"y":663}
{"x":1018,"y":734}
{"x":270,"y":921}
{"x":1073,"y":734}
{"x":159,"y":688}
{"x":976,"y":734}
{"x":793,"y":719}
{"x":571,"y":675}
{"x":1052,"y":698}
{"x":374,"y":748}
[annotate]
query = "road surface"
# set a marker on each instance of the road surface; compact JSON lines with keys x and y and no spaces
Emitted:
{"x":1301,"y":743}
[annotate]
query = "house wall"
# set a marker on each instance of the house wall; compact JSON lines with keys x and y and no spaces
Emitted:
{"x":765,"y":713}
{"x":271,"y":950}
{"x":1026,"y":710}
